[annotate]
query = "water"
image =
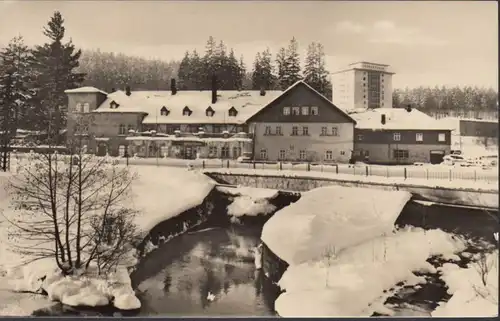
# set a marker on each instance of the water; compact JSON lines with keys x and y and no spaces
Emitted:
{"x":178,"y":278}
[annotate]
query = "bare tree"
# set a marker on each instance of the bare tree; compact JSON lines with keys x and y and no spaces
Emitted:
{"x":330,"y":255}
{"x":71,"y":208}
{"x":485,"y":265}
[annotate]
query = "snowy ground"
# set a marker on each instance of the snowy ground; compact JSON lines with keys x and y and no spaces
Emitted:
{"x":249,"y":201}
{"x":347,"y":260}
{"x":156,"y":194}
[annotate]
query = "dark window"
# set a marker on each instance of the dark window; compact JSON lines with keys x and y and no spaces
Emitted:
{"x":401,"y":154}
{"x":305,"y":130}
{"x":295,"y":131}
{"x":268,"y":130}
{"x":278,"y":130}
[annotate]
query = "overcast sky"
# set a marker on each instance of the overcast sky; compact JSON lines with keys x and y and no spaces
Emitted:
{"x":426,"y":43}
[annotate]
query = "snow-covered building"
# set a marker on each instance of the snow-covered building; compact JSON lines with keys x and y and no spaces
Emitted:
{"x":363,"y":85}
{"x":172,"y":123}
{"x":472,"y":136}
{"x":302,"y":125}
{"x":400,"y":136}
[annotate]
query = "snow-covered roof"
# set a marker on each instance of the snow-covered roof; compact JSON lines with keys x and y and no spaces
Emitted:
{"x":83,"y":90}
{"x":396,"y":118}
{"x":458,"y":119}
{"x":246,"y":103}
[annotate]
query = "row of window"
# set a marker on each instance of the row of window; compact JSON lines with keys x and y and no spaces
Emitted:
{"x":328,"y":155}
{"x":305,"y":131}
{"x":419,"y":137}
{"x":124,"y":130}
{"x":82,"y":108}
{"x":209,"y":112}
{"x":304,"y":110}
{"x":213,"y":129}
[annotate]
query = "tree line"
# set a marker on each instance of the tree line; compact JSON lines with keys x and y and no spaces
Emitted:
{"x":267,"y":73}
{"x":442,"y":101}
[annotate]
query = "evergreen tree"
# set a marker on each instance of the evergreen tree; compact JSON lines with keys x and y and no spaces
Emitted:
{"x":292,"y":65}
{"x":55,"y":63}
{"x":280,"y":66}
{"x":266,"y":70}
{"x":234,"y":73}
{"x":196,"y":73}
{"x":184,"y":73}
{"x":17,"y":77}
{"x":257,"y":72}
{"x":315,"y":72}
{"x":243,"y":81}
{"x":209,"y":62}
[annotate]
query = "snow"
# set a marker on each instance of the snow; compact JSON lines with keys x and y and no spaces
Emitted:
{"x":164,"y":192}
{"x":249,"y":201}
{"x":158,"y":194}
{"x":470,"y":296}
{"x":266,"y":193}
{"x":86,"y":90}
{"x":352,"y":283}
{"x":397,"y":118}
{"x":331,"y":218}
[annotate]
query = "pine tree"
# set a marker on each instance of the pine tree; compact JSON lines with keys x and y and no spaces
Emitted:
{"x":197,"y":72}
{"x":233,"y":71}
{"x":315,"y":73}
{"x":184,"y":73}
{"x":266,"y":70}
{"x":280,"y":66}
{"x":18,"y":77}
{"x":257,"y":72}
{"x":209,"y":62}
{"x":292,"y":65}
{"x":55,"y":63}
{"x":243,"y":79}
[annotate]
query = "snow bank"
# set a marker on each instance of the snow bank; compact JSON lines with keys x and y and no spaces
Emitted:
{"x":470,"y":296}
{"x":246,"y":205}
{"x":164,"y":192}
{"x":249,"y":191}
{"x":331,"y":218}
{"x":348,"y":284}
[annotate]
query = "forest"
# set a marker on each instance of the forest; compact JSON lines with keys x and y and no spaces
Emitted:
{"x":33,"y":79}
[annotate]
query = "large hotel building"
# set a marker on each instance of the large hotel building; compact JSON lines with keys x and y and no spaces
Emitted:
{"x":363,"y":85}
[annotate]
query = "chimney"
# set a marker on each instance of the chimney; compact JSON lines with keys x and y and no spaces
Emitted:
{"x":382,"y":119}
{"x":214,"y":89}
{"x":262,"y":91}
{"x":127,"y":91}
{"x":408,"y":108}
{"x":173,"y":87}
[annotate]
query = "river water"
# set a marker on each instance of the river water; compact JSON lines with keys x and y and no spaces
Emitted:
{"x":205,"y":273}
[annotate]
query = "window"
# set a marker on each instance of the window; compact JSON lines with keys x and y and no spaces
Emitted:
{"x":233,"y":112}
{"x":328,"y":155}
{"x":263,"y":153}
{"x":236,"y":152}
{"x":210,"y":112}
{"x":212,"y":151}
{"x":86,"y":107}
{"x":305,"y":131}
{"x":278,"y":130}
{"x":282,"y":154}
{"x":186,"y":111}
{"x":78,"y":108}
{"x":360,"y":137}
{"x":295,"y":131}
{"x":342,"y":153}
{"x":286,"y":111}
{"x":268,"y":130}
{"x":324,"y":131}
{"x":164,"y":111}
{"x":441,"y":137}
{"x":302,"y":154}
{"x":305,"y":110}
{"x":335,"y":131}
{"x":224,"y":152}
{"x":122,"y":130}
{"x":121,"y":150}
{"x":419,"y":137}
{"x":400,"y":154}
{"x":364,"y":78}
{"x":397,"y":137}
{"x":314,"y":111}
{"x":295,"y":111}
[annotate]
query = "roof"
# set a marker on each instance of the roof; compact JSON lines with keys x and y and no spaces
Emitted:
{"x":83,"y":90}
{"x":246,"y":103}
{"x":367,"y":62}
{"x":396,"y":119}
{"x":297,"y":83}
{"x":363,"y":69}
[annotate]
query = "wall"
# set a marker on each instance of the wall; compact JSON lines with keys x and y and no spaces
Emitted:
{"x":315,"y":144}
{"x":383,"y":153}
{"x":457,"y":196}
{"x":478,"y":128}
{"x":430,"y":137}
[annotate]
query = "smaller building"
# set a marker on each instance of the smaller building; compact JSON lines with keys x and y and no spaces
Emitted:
{"x":399,"y":136}
{"x":472,"y":133}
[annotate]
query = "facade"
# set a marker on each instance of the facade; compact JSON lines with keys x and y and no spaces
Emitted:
{"x":363,"y":85}
{"x":400,"y":136}
{"x":468,"y":132}
{"x":302,"y":125}
{"x":185,"y":124}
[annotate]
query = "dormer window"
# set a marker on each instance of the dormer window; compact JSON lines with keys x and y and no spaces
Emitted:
{"x":233,"y":112}
{"x":164,"y":111}
{"x":210,"y":112}
{"x":186,"y":111}
{"x":113,"y":105}
{"x":78,"y":108}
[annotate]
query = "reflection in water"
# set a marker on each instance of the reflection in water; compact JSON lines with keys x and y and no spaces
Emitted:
{"x":177,"y":279}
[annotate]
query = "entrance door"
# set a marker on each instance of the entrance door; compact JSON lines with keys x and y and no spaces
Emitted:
{"x":102,"y":150}
{"x":436,"y":156}
{"x":188,"y":154}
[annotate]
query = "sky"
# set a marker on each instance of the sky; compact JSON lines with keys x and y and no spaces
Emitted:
{"x":426,"y":43}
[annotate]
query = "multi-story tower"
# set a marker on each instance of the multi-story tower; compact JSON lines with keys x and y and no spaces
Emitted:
{"x":363,"y":85}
